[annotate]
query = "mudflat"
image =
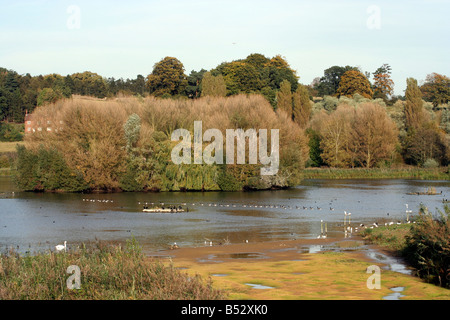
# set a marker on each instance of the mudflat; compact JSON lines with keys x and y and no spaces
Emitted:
{"x":299,"y":269}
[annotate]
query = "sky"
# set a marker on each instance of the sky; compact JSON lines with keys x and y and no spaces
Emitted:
{"x":122,"y":39}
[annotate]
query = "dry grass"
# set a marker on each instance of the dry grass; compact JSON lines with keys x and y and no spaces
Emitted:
{"x":9,"y":146}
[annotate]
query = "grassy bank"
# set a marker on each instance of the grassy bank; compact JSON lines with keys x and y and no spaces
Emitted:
{"x":378,"y":173}
{"x":108,"y":272}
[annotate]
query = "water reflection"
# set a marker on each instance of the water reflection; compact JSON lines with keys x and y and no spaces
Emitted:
{"x":37,"y":221}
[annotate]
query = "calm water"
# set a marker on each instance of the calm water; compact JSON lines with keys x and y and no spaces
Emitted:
{"x":39,"y":221}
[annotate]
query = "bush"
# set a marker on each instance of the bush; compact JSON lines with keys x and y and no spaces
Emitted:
{"x":428,"y":246}
{"x":431,"y":163}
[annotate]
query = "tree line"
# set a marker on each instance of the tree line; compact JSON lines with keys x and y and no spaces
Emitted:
{"x":125,"y":144}
{"x":351,"y":117}
{"x":254,"y":74}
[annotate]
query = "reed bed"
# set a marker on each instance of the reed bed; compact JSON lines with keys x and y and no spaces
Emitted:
{"x":108,"y":272}
{"x":377,"y":173}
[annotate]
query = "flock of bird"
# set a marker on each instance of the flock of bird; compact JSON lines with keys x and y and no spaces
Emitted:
{"x":98,"y":200}
{"x":348,"y":228}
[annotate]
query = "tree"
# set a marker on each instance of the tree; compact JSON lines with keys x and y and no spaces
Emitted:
{"x":213,"y":85}
{"x":383,"y":84}
{"x":275,"y":71}
{"x":89,"y":84}
{"x":132,"y":129}
{"x":414,"y":113}
{"x":301,"y":106}
{"x":167,"y":77}
{"x":193,"y":88}
{"x":329,"y":83}
{"x":436,"y":89}
{"x":284,"y":98}
{"x":352,"y":82}
{"x":241,"y":77}
{"x":426,"y":142}
{"x":48,"y":95}
{"x":336,"y":132}
{"x":375,"y":135}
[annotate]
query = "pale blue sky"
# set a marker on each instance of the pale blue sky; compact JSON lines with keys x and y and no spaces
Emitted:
{"x":126,"y":38}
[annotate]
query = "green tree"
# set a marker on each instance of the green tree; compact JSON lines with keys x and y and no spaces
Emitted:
{"x":315,"y":150}
{"x":48,"y":95}
{"x":167,"y":77}
{"x":132,"y":130}
{"x":194,"y":80}
{"x":241,"y":77}
{"x":329,"y":83}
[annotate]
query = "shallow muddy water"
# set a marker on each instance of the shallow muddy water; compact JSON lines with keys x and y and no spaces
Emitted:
{"x":39,"y":221}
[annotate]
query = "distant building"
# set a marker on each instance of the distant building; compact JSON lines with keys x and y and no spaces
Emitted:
{"x":33,"y":126}
{"x":28,"y":123}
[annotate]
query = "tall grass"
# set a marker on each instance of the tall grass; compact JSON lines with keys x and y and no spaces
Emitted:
{"x":107,"y":272}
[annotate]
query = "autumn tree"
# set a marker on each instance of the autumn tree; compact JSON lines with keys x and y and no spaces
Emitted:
{"x":383,"y":84}
{"x":424,"y":143}
{"x":329,"y":83}
{"x":436,"y":89}
{"x":414,"y":114}
{"x":167,"y":77}
{"x":375,"y":135}
{"x":336,"y":132}
{"x":352,"y":82}
{"x":284,"y":98}
{"x":213,"y":85}
{"x":301,"y":106}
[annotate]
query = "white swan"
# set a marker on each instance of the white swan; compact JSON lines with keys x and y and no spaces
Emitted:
{"x":61,"y":247}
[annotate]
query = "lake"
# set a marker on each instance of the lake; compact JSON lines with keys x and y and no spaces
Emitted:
{"x":38,"y":221}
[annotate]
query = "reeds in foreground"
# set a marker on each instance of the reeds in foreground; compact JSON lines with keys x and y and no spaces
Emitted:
{"x":108,"y":272}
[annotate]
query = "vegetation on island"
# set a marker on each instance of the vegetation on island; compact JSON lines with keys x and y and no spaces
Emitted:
{"x":114,"y":134}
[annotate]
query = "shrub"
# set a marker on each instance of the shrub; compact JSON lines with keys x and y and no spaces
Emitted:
{"x":428,"y":246}
{"x":430,"y":163}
